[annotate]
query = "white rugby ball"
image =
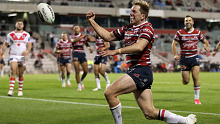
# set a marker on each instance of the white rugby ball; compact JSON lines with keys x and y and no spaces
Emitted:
{"x":46,"y":13}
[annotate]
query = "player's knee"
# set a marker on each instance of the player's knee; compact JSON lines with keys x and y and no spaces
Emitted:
{"x":108,"y":93}
{"x":185,"y":81}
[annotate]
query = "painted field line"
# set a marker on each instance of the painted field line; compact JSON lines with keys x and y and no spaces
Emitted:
{"x":90,"y":104}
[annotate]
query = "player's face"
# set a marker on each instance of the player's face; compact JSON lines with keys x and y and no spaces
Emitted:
{"x":76,"y":29}
{"x":135,"y":16}
{"x":19,"y":25}
{"x":188,"y":22}
{"x":64,"y":36}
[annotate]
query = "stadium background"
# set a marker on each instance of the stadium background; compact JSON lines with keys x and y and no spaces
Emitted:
{"x":46,"y":102}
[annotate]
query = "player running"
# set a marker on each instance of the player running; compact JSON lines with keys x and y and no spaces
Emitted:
{"x":63,"y":48}
{"x":138,"y":37}
{"x":20,"y":45}
{"x":188,"y":38}
{"x":100,"y":62}
{"x":79,"y":56}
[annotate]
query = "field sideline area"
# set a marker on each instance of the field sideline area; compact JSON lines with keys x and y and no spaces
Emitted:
{"x":46,"y":102}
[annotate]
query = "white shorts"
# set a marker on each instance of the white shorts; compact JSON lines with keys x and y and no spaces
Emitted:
{"x":20,"y":59}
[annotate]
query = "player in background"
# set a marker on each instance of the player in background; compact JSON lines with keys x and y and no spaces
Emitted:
{"x":216,"y":49}
{"x":188,"y":38}
{"x":78,"y":55}
{"x":2,"y":62}
{"x":20,"y":45}
{"x":100,"y":62}
{"x":138,"y":38}
{"x":63,"y":48}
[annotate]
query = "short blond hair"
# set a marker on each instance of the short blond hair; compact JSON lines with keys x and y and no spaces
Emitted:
{"x":144,"y":6}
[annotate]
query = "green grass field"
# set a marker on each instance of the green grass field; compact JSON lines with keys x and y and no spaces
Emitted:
{"x":46,"y":102}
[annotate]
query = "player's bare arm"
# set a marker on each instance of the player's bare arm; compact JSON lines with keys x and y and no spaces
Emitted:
{"x":4,"y":47}
{"x":78,"y":39}
{"x":103,"y":33}
{"x":91,"y":39}
{"x":89,"y":47}
{"x":176,"y":56}
{"x":137,"y":47}
{"x":28,"y":49}
{"x":206,"y":45}
{"x":216,"y":49}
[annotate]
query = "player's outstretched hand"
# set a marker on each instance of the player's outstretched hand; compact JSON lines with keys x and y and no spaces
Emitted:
{"x":108,"y":53}
{"x":90,"y":15}
{"x":176,"y":57}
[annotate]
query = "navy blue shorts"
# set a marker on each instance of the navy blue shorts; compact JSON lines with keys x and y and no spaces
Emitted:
{"x":100,"y":59}
{"x":58,"y":59}
{"x":187,"y":63}
{"x":64,"y":61}
{"x":2,"y":61}
{"x":142,"y":76}
{"x":81,"y":57}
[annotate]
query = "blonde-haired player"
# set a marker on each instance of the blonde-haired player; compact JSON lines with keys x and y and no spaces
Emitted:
{"x":138,"y":37}
{"x":20,"y":45}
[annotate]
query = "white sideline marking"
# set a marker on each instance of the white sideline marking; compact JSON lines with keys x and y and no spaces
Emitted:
{"x":55,"y":101}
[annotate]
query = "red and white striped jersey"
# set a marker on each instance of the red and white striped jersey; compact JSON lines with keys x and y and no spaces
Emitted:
{"x":188,"y":41}
{"x":99,"y":44}
{"x":66,"y":47}
{"x":18,"y":42}
{"x":130,"y":34}
{"x":78,"y":46}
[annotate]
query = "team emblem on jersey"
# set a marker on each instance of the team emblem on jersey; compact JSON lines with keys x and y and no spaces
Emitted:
{"x":23,"y":36}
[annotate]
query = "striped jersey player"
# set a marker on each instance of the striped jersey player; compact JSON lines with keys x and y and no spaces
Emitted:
{"x":100,"y":62}
{"x":130,"y":34}
{"x":63,"y":48}
{"x":138,"y":38}
{"x":78,"y":55}
{"x":188,"y":38}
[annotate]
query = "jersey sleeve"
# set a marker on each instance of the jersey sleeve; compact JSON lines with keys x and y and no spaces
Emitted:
{"x":57,"y":45}
{"x":119,"y":33}
{"x":147,"y":33}
{"x":177,"y":37}
{"x":201,"y":37}
{"x":28,"y":38}
{"x":8,"y":39}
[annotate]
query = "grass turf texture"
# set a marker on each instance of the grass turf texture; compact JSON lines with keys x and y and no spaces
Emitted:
{"x":45,"y":101}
